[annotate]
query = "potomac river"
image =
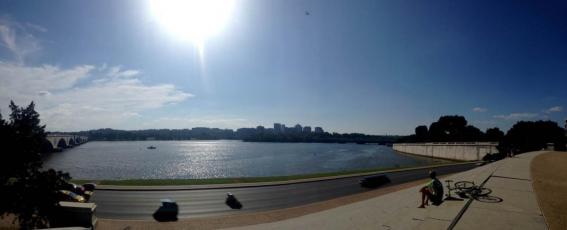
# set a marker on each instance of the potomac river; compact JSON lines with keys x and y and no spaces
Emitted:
{"x":221,"y":158}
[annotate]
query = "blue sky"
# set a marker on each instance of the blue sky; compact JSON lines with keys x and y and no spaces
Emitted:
{"x":377,"y":67}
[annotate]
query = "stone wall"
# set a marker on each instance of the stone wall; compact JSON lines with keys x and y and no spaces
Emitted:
{"x":463,"y":151}
{"x":74,"y":214}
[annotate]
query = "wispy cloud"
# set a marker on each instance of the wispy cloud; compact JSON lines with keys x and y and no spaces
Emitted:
{"x":82,"y":97}
{"x":554,"y":109}
{"x":517,"y":116}
{"x":117,"y":71}
{"x":479,"y":109}
{"x":18,"y":39}
{"x":36,"y":27}
{"x":79,"y":97}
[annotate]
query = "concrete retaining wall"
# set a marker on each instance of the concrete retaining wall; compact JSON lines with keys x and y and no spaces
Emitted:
{"x":463,"y":151}
{"x":74,"y":214}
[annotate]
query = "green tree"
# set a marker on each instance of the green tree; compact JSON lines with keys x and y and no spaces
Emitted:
{"x":454,"y":128}
{"x":526,"y":136}
{"x":494,"y":134}
{"x":421,"y":133}
{"x":27,"y":191}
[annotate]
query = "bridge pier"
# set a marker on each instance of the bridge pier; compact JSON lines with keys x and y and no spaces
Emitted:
{"x":59,"y":142}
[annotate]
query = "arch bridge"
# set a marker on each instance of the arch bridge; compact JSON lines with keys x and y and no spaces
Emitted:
{"x":63,"y":141}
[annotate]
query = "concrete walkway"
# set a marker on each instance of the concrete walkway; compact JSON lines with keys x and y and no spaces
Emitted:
{"x":509,"y":180}
{"x":519,"y":208}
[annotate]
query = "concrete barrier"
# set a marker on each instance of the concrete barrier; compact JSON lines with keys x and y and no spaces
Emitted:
{"x":75,"y":214}
{"x":463,"y":151}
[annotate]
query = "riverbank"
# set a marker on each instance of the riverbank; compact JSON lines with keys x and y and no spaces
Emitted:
{"x":250,"y":181}
{"x":234,"y":180}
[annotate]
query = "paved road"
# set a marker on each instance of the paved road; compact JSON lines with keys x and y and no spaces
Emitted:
{"x":139,"y":205}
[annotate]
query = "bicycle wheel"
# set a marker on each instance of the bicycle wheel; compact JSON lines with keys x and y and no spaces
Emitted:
{"x":489,"y":199}
{"x":463,"y":185}
{"x":482,"y":191}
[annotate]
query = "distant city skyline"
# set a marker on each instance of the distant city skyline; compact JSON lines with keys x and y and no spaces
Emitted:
{"x":373,"y":67}
{"x":277,"y":128}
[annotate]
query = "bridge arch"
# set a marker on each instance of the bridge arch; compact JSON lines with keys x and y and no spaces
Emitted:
{"x":62,"y":143}
{"x":47,"y":146}
{"x":71,"y":142}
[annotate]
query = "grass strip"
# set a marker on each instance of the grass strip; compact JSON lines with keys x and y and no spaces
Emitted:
{"x":233,"y":180}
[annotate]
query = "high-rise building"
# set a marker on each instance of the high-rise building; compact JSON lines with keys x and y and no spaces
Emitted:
{"x":278,"y":128}
{"x":245,"y":132}
{"x":298,"y":128}
{"x":307,"y":129}
{"x":319,"y":130}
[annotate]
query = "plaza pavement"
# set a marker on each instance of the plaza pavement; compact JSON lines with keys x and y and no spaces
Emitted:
{"x":509,"y":179}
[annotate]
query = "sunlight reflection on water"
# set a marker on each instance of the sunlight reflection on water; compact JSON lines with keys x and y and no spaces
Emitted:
{"x":214,"y":159}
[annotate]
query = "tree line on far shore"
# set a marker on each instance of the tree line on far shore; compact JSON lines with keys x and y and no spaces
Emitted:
{"x":524,"y":136}
{"x":245,"y":134}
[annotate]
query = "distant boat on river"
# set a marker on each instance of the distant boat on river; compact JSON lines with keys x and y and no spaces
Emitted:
{"x":151,"y":147}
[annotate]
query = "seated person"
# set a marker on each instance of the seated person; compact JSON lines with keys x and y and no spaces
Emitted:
{"x":432,"y":191}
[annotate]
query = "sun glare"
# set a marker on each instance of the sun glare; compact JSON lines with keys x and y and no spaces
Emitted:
{"x":192,"y":20}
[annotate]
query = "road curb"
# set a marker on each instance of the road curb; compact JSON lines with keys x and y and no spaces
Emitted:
{"x":260,"y":184}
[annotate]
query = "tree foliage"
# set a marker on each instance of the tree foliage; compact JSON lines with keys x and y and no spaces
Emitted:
{"x":27,"y":190}
{"x":246,"y":134}
{"x":421,"y":133}
{"x":494,"y":134}
{"x":451,"y":129}
{"x":526,"y":136}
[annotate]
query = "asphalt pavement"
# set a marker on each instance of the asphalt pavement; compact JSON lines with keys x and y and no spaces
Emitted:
{"x":140,"y":205}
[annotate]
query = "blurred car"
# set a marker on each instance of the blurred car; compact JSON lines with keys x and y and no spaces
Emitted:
{"x":73,"y":188}
{"x":66,"y":195}
{"x":87,"y":195}
{"x":86,"y":190}
{"x":232,"y":202}
{"x":167,"y":211}
{"x":374,"y":181}
{"x":89,"y":186}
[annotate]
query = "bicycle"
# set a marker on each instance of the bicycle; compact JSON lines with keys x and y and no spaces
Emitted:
{"x":466,"y":189}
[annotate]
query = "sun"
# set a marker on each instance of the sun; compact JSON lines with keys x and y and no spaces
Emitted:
{"x":192,"y":20}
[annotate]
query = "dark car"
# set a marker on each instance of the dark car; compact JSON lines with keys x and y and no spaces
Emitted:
{"x":89,"y":186}
{"x":167,"y":211}
{"x":232,"y":202}
{"x":374,"y":181}
{"x":73,"y":188}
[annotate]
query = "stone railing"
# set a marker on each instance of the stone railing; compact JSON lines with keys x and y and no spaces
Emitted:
{"x":463,"y":151}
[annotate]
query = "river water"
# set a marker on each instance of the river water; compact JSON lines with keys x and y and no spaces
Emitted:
{"x":223,"y":158}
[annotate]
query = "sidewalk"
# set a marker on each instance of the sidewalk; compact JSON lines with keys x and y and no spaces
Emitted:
{"x":509,"y":179}
{"x":519,"y":208}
